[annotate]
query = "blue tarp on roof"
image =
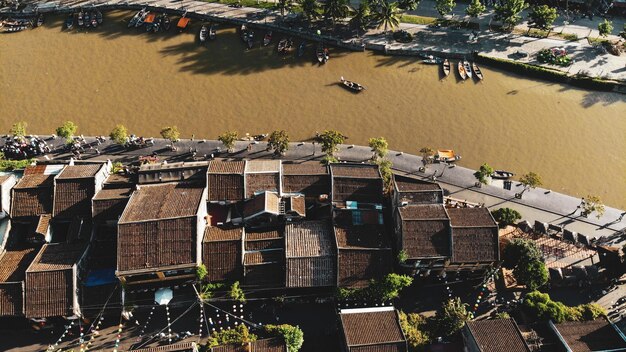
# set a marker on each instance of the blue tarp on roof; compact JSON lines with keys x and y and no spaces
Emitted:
{"x":100,"y":277}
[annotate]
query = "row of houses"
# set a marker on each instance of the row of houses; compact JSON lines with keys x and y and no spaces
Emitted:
{"x":72,"y":230}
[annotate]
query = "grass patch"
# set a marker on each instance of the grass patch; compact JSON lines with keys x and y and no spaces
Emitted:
{"x":568,"y":36}
{"x":10,"y":165}
{"x":417,"y":19}
{"x":598,"y":41}
{"x":246,"y":3}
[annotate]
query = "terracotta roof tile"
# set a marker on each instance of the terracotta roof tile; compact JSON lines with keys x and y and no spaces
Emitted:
{"x":587,"y":336}
{"x":463,"y":217}
{"x":355,"y":170}
{"x":369,"y":236}
{"x":498,"y":335}
{"x":296,"y":205}
{"x":217,"y":234}
{"x":43,"y":224}
{"x":264,"y":202}
{"x":57,"y":256}
{"x":256,"y":166}
{"x":475,"y":244}
{"x":410,"y":184}
{"x":309,"y":239}
{"x":227,"y":167}
{"x":80,"y":171}
{"x":118,"y":180}
{"x":113,"y":193}
{"x":72,"y":197}
{"x":14,"y":262}
{"x":371,"y":328}
{"x":225,"y":187}
{"x":35,"y":181}
{"x":262,"y":257}
{"x":304,"y":169}
{"x":422,"y":212}
{"x":11,"y":298}
{"x":261,"y":182}
{"x":163,"y":201}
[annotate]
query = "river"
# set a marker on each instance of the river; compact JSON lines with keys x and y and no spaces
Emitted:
{"x":101,"y":77}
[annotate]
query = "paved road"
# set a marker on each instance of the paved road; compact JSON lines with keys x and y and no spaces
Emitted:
{"x":537,"y":204}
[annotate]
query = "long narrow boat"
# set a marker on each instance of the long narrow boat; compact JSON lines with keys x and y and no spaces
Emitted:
{"x":39,"y":21}
{"x":468,"y":68}
{"x":352,"y":85}
{"x":81,"y":21}
{"x":69,"y":22}
{"x":132,"y":21}
{"x":432,"y":60}
{"x":446,"y":67}
{"x":250,"y":39}
{"x":477,"y":72}
{"x":94,"y":20}
{"x":99,"y":17}
{"x":204,"y":33}
{"x":12,"y":29}
{"x":142,"y":19}
{"x":447,"y":155}
{"x":502,"y":174}
{"x":301,"y":49}
{"x":150,"y":21}
{"x":321,"y":53}
{"x":166,"y":23}
{"x":267,"y":39}
{"x":461,"y":69}
{"x":87,"y":19}
{"x":212,"y":32}
{"x":183,"y":22}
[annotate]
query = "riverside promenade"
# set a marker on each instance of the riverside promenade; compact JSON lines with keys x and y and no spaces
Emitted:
{"x":458,"y":182}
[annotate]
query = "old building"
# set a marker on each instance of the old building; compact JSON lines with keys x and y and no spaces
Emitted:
{"x":371,"y":329}
{"x":310,"y":179}
{"x":263,"y":209}
{"x":172,"y":172}
{"x":497,"y":335}
{"x":261,"y":176}
{"x":226,"y":181}
{"x":360,"y":183}
{"x":13,"y":265}
{"x":598,"y":335}
{"x":474,"y":239}
{"x":222,"y":250}
{"x":310,"y":254}
{"x":264,"y":258}
{"x":409,"y":190}
{"x":32,"y":195}
{"x":160,"y":232}
{"x":74,"y":189}
{"x":262,"y":345}
{"x":51,"y":285}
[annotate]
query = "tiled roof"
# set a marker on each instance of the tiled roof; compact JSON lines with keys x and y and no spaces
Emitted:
{"x":311,"y":271}
{"x":260,"y":240}
{"x":155,"y":244}
{"x":262,"y":257}
{"x":118,"y":180}
{"x":163,"y":201}
{"x":305,"y":169}
{"x":369,"y":236}
{"x":263,"y":345}
{"x":254,"y":166}
{"x":112,"y":208}
{"x":34,"y":169}
{"x":218,"y":234}
{"x":222,"y":257}
{"x":498,"y":335}
{"x":35,"y":181}
{"x":264,"y":202}
{"x":72,"y":197}
{"x":410,"y":184}
{"x":227,"y":167}
{"x":474,"y":244}
{"x":309,"y":239}
{"x":43,"y":224}
{"x":31,"y":202}
{"x":587,"y":336}
{"x":177,"y":347}
{"x":113,"y":193}
{"x":358,"y":266}
{"x":464,"y":217}
{"x":260,"y":182}
{"x":266,"y":275}
{"x":225,"y":187}
{"x":48,"y":293}
{"x":262,"y":235}
{"x":372,"y":328}
{"x":423,"y":212}
{"x":4,"y":178}
{"x":11,"y":298}
{"x":355,"y":170}
{"x":57,"y":256}
{"x":13,"y":264}
{"x":367,"y":190}
{"x":295,"y":204}
{"x":79,"y":171}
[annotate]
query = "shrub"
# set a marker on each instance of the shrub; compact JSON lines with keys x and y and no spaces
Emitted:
{"x":506,"y":216}
{"x":414,"y":328}
{"x":540,"y":307}
{"x":520,"y":252}
{"x":171,"y":133}
{"x":239,"y":336}
{"x":293,"y":335}
{"x":119,"y":134}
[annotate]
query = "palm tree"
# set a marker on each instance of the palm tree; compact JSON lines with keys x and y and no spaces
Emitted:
{"x":388,"y":15}
{"x":310,"y":9}
{"x":360,"y":17}
{"x":335,"y":9}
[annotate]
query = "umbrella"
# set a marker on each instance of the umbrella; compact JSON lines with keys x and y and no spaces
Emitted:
{"x":163,"y":296}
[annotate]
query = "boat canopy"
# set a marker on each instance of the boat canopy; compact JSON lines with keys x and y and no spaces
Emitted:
{"x":150,"y":18}
{"x":446,"y":154}
{"x":183,"y":22}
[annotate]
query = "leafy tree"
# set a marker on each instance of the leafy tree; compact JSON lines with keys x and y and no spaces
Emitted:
{"x":427,"y":155}
{"x":236,"y":293}
{"x":509,"y":12}
{"x":361,"y":17}
{"x":19,"y":129}
{"x":444,"y":7}
{"x":475,"y":9}
{"x":532,"y":275}
{"x":506,"y":216}
{"x":330,"y":141}
{"x":293,"y":335}
{"x":384,"y":165}
{"x":329,"y":159}
{"x":591,"y":204}
{"x":605,"y":28}
{"x":336,"y":9}
{"x":408,"y":5}
{"x":379,"y":147}
{"x":208,"y":288}
{"x":201,"y":272}
{"x":484,"y":173}
{"x":387,"y":15}
{"x":228,"y":138}
{"x":310,"y":9}
{"x":240,"y":335}
{"x":171,"y":133}
{"x":279,"y":142}
{"x":542,"y":17}
{"x":520,"y":252}
{"x":539,"y":306}
{"x":67,"y":130}
{"x":451,"y":317}
{"x":415,"y":329}
{"x":591,"y":311}
{"x":119,"y":134}
{"x":530,"y":180}
{"x":389,"y":287}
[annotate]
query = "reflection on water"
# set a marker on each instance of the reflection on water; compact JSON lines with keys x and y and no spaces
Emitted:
{"x":97,"y":78}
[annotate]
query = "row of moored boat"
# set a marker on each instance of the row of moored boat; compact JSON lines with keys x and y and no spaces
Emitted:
{"x":11,"y":25}
{"x":155,"y":22}
{"x":465,"y":68}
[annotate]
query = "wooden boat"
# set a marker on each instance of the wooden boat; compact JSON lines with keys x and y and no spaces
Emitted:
{"x":133,"y":21}
{"x":94,"y":20}
{"x":150,"y":21}
{"x":447,"y":155}
{"x":99,"y":17}
{"x":461,"y":69}
{"x":260,"y":137}
{"x":446,"y":67}
{"x":502,"y":175}
{"x":352,"y":85}
{"x":166,"y":23}
{"x":12,"y":29}
{"x":433,"y":60}
{"x":250,"y":39}
{"x":468,"y":69}
{"x":243,"y":31}
{"x":477,"y":72}
{"x":69,"y":22}
{"x":183,"y":22}
{"x":81,"y":21}
{"x":267,"y":39}
{"x":204,"y":33}
{"x":321,"y":54}
{"x":39,"y":21}
{"x":87,"y":19}
{"x":212,"y":32}
{"x":301,"y":49}
{"x":142,"y":19}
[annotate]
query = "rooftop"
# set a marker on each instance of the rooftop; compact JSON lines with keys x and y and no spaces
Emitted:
{"x":471,"y":217}
{"x":163,"y":201}
{"x":371,"y":328}
{"x":13,"y":264}
{"x":227,"y":167}
{"x":57,"y":256}
{"x":587,"y":336}
{"x":35,"y":181}
{"x":309,"y":239}
{"x":410,"y":184}
{"x":218,"y":234}
{"x":262,"y":166}
{"x":306,"y":168}
{"x":80,"y":171}
{"x":497,"y":335}
{"x":354,"y":170}
{"x":364,"y":236}
{"x":423,"y":212}
{"x":113,"y":193}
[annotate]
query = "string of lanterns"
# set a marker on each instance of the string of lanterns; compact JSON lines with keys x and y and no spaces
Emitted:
{"x":56,"y":344}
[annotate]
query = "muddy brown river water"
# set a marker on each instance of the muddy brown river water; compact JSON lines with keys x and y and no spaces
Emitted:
{"x":574,"y":139}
